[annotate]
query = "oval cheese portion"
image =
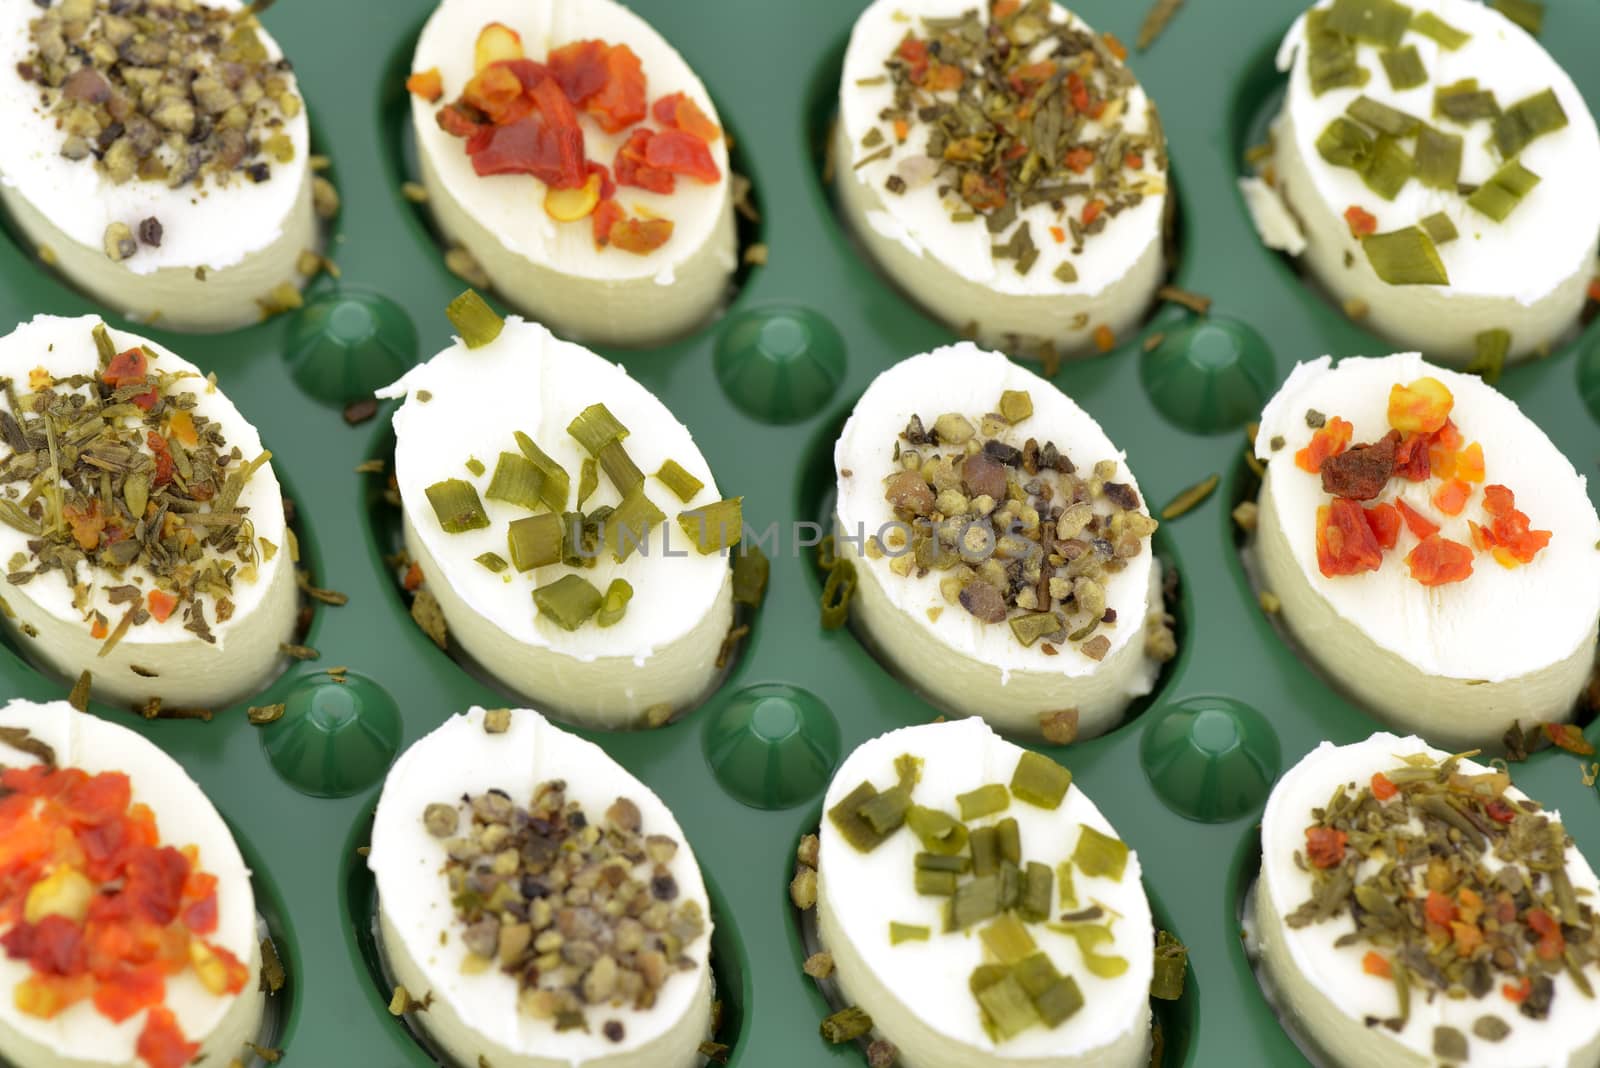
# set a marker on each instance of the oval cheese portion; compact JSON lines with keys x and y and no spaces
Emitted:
{"x":553,"y":270}
{"x":642,"y":976}
{"x":1064,"y":248}
{"x":1336,"y":979}
{"x":198,"y":203}
{"x":470,"y":404}
{"x":917,"y":985}
{"x":1459,"y":660}
{"x":1081,"y":536}
{"x":194,"y":615}
{"x":1524,"y":273}
{"x":217,"y":1023}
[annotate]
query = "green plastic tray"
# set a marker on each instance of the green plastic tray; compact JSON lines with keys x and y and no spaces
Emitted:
{"x":765,"y":389}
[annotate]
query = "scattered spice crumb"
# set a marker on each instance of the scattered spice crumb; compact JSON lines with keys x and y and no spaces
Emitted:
{"x":316,"y":593}
{"x":730,"y":644}
{"x":1195,"y":302}
{"x":756,"y":254}
{"x":1156,"y":22}
{"x":803,"y":888}
{"x":808,"y":851}
{"x":371,"y":467}
{"x":414,"y":192}
{"x":819,"y":965}
{"x":465,"y":266}
{"x":261,"y":715}
{"x":1356,"y":308}
{"x":1246,"y":515}
{"x":324,"y":198}
{"x":272,"y":974}
{"x":657,"y":715}
{"x":1270,"y":603}
{"x":714,"y":1051}
{"x":882,"y":1054}
{"x":298,"y":652}
{"x":1191,"y":498}
{"x":79,"y":697}
{"x":359,"y":411}
{"x":427,"y":614}
{"x":1154,"y":341}
{"x":497,"y":721}
{"x":1059,"y":727}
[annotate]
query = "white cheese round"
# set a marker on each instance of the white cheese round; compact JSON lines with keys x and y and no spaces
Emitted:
{"x":553,"y":271}
{"x":80,"y":1037}
{"x":1323,"y":986}
{"x":476,"y":1016}
{"x":947,"y":266}
{"x":1456,"y":663}
{"x":152,"y":659}
{"x":664,"y":649}
{"x":244,"y":237}
{"x":968,"y":666}
{"x":1527,"y":274}
{"x":916,"y":992}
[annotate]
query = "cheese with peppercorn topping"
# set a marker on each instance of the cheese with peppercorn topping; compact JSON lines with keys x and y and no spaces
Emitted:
{"x":210,"y":602}
{"x":917,"y":986}
{"x":1441,"y":630}
{"x":1336,"y":981}
{"x":1525,"y":272}
{"x":511,"y":762}
{"x":549,"y":261}
{"x":949,"y":624}
{"x":471,"y":404}
{"x":175,"y":186}
{"x":98,"y":762}
{"x":965,"y":219}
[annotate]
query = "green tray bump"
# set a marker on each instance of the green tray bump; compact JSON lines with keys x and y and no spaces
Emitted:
{"x":337,"y":736}
{"x":1211,"y":759}
{"x":1589,"y":375}
{"x":346,"y":344}
{"x":1209,"y":375}
{"x":772,"y":745}
{"x":779,"y":363}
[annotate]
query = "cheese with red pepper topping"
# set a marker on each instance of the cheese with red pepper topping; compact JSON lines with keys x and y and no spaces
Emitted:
{"x":1457,"y":661}
{"x":491,"y":204}
{"x":81,"y":1035}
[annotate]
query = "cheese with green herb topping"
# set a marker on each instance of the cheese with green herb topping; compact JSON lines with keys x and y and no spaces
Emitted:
{"x":1527,"y":241}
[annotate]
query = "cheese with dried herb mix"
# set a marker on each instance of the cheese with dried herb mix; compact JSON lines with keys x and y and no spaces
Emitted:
{"x":211,"y":1005}
{"x":538,"y":243}
{"x":1001,"y":547}
{"x":1460,"y":659}
{"x":1007,"y":169}
{"x":541,"y":900}
{"x":1440,"y":164}
{"x":1021,"y":934}
{"x":141,"y":525}
{"x":161,"y":152}
{"x":1476,"y":943}
{"x":520,"y":569}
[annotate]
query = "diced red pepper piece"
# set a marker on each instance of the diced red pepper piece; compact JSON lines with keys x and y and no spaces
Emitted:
{"x":97,"y":799}
{"x":1411,"y":460}
{"x":1594,"y":290}
{"x":128,"y":991}
{"x":1384,"y":519}
{"x":1346,"y":544}
{"x":1105,"y":339}
{"x":161,"y":605}
{"x":1092,"y":210}
{"x":679,"y":110}
{"x":1416,"y":522}
{"x":1552,"y":943}
{"x":460,"y":120}
{"x":1115,"y":45}
{"x":605,"y":218}
{"x":1517,"y":993}
{"x":682,"y":153}
{"x":1325,"y":846}
{"x":1079,"y":159}
{"x":1568,"y":736}
{"x":1077,"y":92}
{"x":1499,"y":811}
{"x":1382,"y":788}
{"x":914,"y":53}
{"x":632,"y":166}
{"x":983,"y":193}
{"x":1361,"y":223}
{"x":126,"y":368}
{"x":580,"y":68}
{"x":1469,"y":463}
{"x":165,"y":467}
{"x":1451,"y":496}
{"x":162,"y":1044}
{"x":547,"y":143}
{"x":1026,"y":79}
{"x":641,"y":235}
{"x":1510,"y":530}
{"x":1438,"y":561}
{"x":1422,"y":407}
{"x":1375,"y":963}
{"x":499,"y":94}
{"x":87,"y":524}
{"x":427,"y":84}
{"x":1439,"y":909}
{"x":621,"y":100}
{"x":1331,"y":439}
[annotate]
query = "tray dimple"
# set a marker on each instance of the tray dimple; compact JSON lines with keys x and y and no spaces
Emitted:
{"x":337,"y":734}
{"x":346,"y":344}
{"x":771,"y":745}
{"x":1209,"y":375}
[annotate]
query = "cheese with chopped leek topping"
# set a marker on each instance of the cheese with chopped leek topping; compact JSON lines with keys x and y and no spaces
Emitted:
{"x":1522,"y":267}
{"x":917,"y":992}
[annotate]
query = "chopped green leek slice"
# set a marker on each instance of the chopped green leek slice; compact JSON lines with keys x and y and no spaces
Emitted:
{"x":475,"y":465}
{"x":582,"y":546}
{"x":1038,"y":883}
{"x":595,"y":428}
{"x":1379,"y":22}
{"x":1331,"y":58}
{"x":615,"y":605}
{"x":975,"y":901}
{"x":1382,"y":117}
{"x":1040,"y":781}
{"x":936,"y":883}
{"x":516,"y":480}
{"x":471,"y":315}
{"x":1529,"y":119}
{"x":985,"y":851}
{"x":493,"y":561}
{"x":985,"y":976}
{"x":1059,"y":1001}
{"x":456,"y":503}
{"x":1500,"y":195}
{"x":620,"y":468}
{"x":104,"y":346}
{"x":1438,"y":158}
{"x":1345,"y":144}
{"x":1491,"y":356}
{"x":1007,"y":940}
{"x":885,"y":812}
{"x":535,"y":541}
{"x":1405,"y":258}
{"x":1007,"y":1009}
{"x":847,"y":820}
{"x":1439,"y":228}
{"x":1068,"y":896}
{"x":836,"y":594}
{"x":1090,"y":936}
{"x":908,"y":770}
{"x":1389,"y":169}
{"x":984,"y":801}
{"x":1035,"y":973}
{"x":1029,"y":627}
{"x":628,"y":526}
{"x":679,"y":480}
{"x":907,"y":932}
{"x":588,"y":479}
{"x":1404,"y":67}
{"x":569,"y":601}
{"x":714,"y":527}
{"x":940,"y":862}
{"x":1010,"y":884}
{"x":556,"y":480}
{"x":939,"y":832}
{"x":1100,"y":855}
{"x":1172,"y":961}
{"x":750,"y":571}
{"x":1008,"y":840}
{"x":846,"y":1025}
{"x":1430,"y":25}
{"x":1529,"y":14}
{"x":1464,"y":102}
